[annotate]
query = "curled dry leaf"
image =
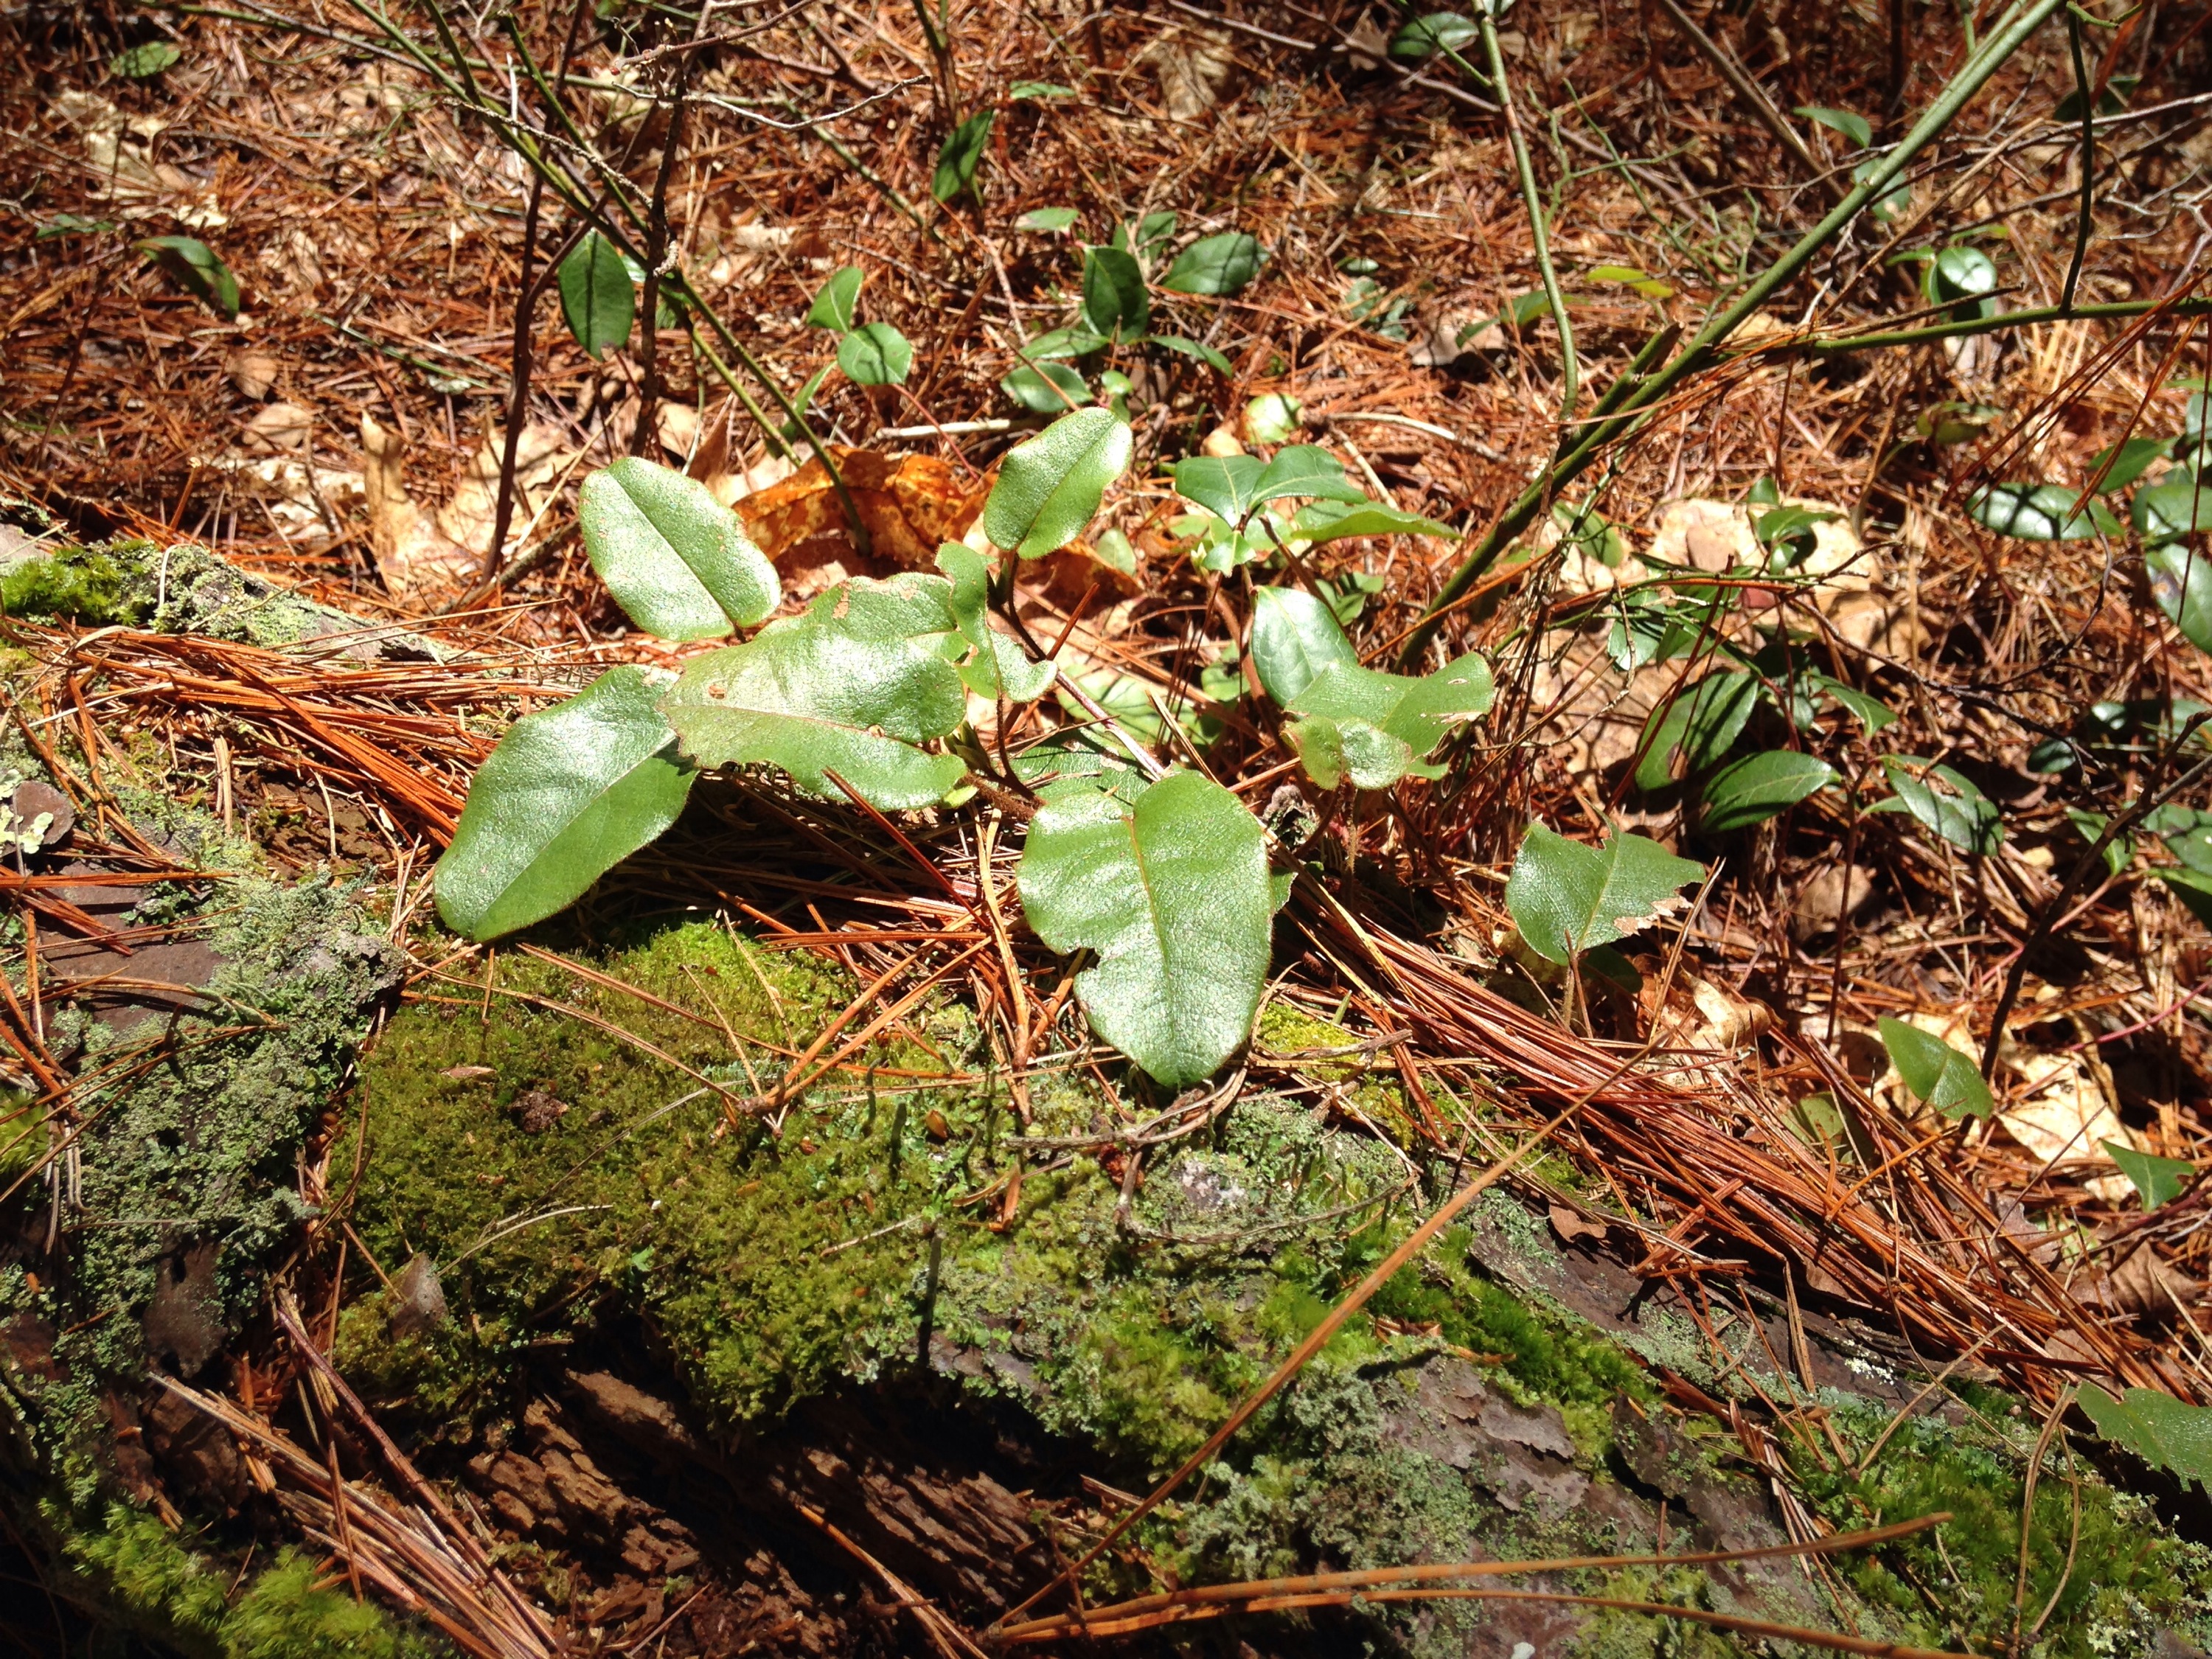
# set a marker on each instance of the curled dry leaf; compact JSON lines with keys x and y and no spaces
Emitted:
{"x":471,"y":516}
{"x":277,"y":427}
{"x":410,"y":554}
{"x":1193,"y":64}
{"x":253,"y":374}
{"x":2062,"y":1114}
{"x":910,"y":504}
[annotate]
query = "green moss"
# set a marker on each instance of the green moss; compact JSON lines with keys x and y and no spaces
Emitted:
{"x":158,"y":1586}
{"x":81,"y":585}
{"x":2128,"y":1575}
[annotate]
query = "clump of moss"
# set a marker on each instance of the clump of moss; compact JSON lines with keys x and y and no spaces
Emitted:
{"x":2112,"y":1579}
{"x":179,"y":589}
{"x":164,"y":1590}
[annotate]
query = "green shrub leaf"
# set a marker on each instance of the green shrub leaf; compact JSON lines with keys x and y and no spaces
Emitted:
{"x":1755,"y":788}
{"x":1048,"y":219}
{"x":1567,"y":897}
{"x":1049,"y":487}
{"x":2176,"y":507}
{"x":1335,"y":520}
{"x":852,"y":687}
{"x":150,"y":59}
{"x":1701,"y":726}
{"x":1416,"y":713}
{"x":1215,"y":265}
{"x":1198,"y":349}
{"x":1046,"y":388}
{"x":1306,"y":470}
{"x":196,"y":268}
{"x":1440,"y":30}
{"x":1935,"y":1071}
{"x":677,"y":560}
{"x":875,"y":353}
{"x":1854,"y":127}
{"x":2129,"y":460}
{"x":2039,"y":513}
{"x":2181,"y":584}
{"x":596,"y":295}
{"x":1295,"y":639}
{"x":1115,"y":302}
{"x":2163,"y":1431}
{"x":2157,"y":1181}
{"x":837,"y":303}
{"x":960,"y":155}
{"x":570,"y":792}
{"x":999,"y":666}
{"x":1172,"y":895}
{"x":1944,"y":800}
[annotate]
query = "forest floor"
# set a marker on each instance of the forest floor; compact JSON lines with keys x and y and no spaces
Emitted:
{"x":768,"y":1253}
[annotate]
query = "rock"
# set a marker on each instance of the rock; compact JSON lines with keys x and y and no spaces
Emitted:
{"x":418,"y":1299}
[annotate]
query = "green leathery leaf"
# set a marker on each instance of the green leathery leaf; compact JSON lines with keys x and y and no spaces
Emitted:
{"x":1048,"y":219}
{"x":2157,"y":1181}
{"x":1049,"y":486}
{"x":677,"y":562}
{"x":1215,"y":265}
{"x":1957,"y":811}
{"x":1934,"y":1071}
{"x":570,"y":792}
{"x":1334,"y":751}
{"x":960,"y":155}
{"x":1224,"y":485}
{"x":1305,"y":470}
{"x":1752,"y":790}
{"x":2192,"y":887}
{"x":1115,"y":302}
{"x":197,"y":268}
{"x":1295,"y":639}
{"x":852,"y":686}
{"x":2164,"y":1432}
{"x":596,"y":295}
{"x":1567,"y":897}
{"x":2039,"y":513}
{"x":1197,"y":348}
{"x":1172,"y":897}
{"x":1853,"y":125}
{"x":875,"y":353}
{"x":1701,"y":726}
{"x":1046,"y":388}
{"x":1440,"y":30}
{"x":2178,"y":505}
{"x":837,"y":302}
{"x":148,"y":58}
{"x":2181,"y":583}
{"x":1338,"y":520}
{"x":2129,"y":458}
{"x":997,"y":665}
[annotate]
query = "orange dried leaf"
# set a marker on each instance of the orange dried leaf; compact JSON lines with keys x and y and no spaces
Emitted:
{"x":909,"y":504}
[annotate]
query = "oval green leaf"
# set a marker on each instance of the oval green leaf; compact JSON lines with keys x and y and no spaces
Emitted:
{"x":196,"y":268}
{"x":1172,"y":896}
{"x":568,"y":793}
{"x":596,"y":295}
{"x":875,"y":353}
{"x":1215,"y":265}
{"x":149,"y":59}
{"x":677,"y":560}
{"x":1944,"y":800}
{"x":2181,"y":583}
{"x":1049,"y":219}
{"x":1567,"y":897}
{"x":1755,"y":788}
{"x":1049,"y":487}
{"x":2177,"y":505}
{"x":960,"y":155}
{"x":1046,"y":388}
{"x":1115,"y":302}
{"x":1294,"y":640}
{"x":837,"y":303}
{"x":2041,"y":513}
{"x":1335,"y":521}
{"x":1853,"y":125}
{"x":852,"y":687}
{"x":1440,"y":30}
{"x":1934,"y":1071}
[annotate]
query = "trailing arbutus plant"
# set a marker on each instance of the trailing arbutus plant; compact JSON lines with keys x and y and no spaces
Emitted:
{"x":1161,"y":875}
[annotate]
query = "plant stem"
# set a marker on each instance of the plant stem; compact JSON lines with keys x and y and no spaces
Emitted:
{"x":2006,"y":39}
{"x":2088,"y":96}
{"x":2192,"y":305}
{"x":1569,"y":371}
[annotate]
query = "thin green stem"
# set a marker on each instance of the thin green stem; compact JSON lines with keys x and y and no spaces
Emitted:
{"x":2193,"y":305}
{"x":2011,"y":33}
{"x":1569,"y":371}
